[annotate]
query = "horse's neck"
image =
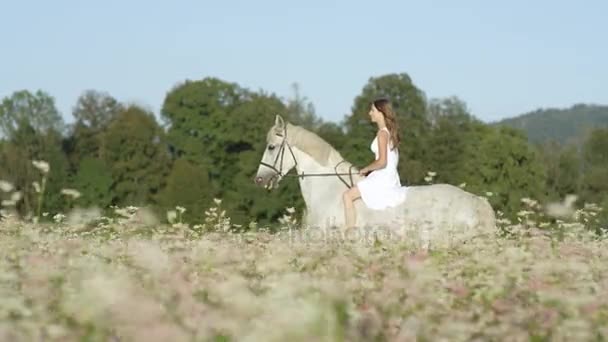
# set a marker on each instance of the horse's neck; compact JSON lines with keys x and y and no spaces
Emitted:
{"x":325,"y":187}
{"x":323,"y":194}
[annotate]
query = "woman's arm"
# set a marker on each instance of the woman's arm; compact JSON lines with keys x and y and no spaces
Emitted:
{"x":381,"y":161}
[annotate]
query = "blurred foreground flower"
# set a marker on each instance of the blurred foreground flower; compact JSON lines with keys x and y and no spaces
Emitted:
{"x":6,"y":186}
{"x":71,"y":193}
{"x":171,"y":216}
{"x":41,"y":165}
{"x":563,"y":209}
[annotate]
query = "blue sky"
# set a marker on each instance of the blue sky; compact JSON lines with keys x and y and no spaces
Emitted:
{"x":502,"y":58}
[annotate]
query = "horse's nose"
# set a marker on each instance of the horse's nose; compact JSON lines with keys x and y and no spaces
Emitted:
{"x":258,"y":180}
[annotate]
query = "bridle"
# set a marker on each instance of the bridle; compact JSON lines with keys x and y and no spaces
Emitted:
{"x":279,"y":171}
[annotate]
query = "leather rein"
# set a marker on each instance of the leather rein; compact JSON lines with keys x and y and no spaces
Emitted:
{"x":279,"y":172}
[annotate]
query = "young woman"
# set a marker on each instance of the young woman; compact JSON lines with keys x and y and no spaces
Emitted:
{"x":382,"y":187}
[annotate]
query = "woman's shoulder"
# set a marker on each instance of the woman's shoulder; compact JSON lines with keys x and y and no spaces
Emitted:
{"x":383,"y":129}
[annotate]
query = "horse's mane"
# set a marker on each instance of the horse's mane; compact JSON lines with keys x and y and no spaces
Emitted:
{"x":316,"y":147}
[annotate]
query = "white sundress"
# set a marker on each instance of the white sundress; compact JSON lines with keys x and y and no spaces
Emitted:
{"x":382,"y":187}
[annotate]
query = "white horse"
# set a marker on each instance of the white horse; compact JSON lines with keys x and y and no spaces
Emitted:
{"x":324,"y":176}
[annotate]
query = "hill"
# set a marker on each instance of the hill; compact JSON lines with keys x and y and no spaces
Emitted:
{"x":561,"y":125}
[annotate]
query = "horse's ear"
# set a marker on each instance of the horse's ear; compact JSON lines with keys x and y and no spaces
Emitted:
{"x":279,"y":122}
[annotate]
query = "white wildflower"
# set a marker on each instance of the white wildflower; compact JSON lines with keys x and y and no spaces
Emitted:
{"x":36,"y":186}
{"x":181,"y":210}
{"x":524,"y":213}
{"x":6,"y":186}
{"x":41,"y":165}
{"x":8,"y":203}
{"x":71,"y":193}
{"x":58,"y":218}
{"x":171,"y":216}
{"x":16,"y":196}
{"x":83,"y":215}
{"x":561,"y":209}
{"x":125,"y":212}
{"x":529,"y":202}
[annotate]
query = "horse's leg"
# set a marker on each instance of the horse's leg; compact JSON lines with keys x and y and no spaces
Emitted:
{"x":350,"y":215}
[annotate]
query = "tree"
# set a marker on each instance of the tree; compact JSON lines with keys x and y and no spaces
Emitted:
{"x":134,"y":149}
{"x":563,"y":165}
{"x":219,"y":127}
{"x":24,"y":108}
{"x":93,"y":180}
{"x":333,"y":134}
{"x":501,"y":161}
{"x":452,"y":108}
{"x":595,"y":165}
{"x":33,"y":127}
{"x":409,"y":104}
{"x":94,"y":110}
{"x":188,"y":187}
{"x":447,"y":145}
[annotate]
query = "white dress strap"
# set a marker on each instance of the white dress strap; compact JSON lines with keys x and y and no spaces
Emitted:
{"x":389,"y":135}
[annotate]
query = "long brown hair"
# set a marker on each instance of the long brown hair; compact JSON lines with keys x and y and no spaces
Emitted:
{"x":385,"y":107}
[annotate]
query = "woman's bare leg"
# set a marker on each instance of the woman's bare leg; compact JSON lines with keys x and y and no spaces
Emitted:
{"x":349,"y":197}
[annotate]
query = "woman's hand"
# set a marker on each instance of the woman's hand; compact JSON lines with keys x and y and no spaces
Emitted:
{"x":364,"y":171}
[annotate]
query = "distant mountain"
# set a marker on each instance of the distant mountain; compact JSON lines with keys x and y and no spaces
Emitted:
{"x":568,"y":125}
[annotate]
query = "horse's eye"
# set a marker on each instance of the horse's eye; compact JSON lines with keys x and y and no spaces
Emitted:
{"x":271,"y":147}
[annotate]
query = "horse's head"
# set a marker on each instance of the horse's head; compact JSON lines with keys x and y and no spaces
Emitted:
{"x":278,"y":158}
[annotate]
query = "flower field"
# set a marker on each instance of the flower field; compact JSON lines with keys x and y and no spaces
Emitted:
{"x":131,"y":278}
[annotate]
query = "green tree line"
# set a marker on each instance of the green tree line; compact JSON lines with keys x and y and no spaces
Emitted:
{"x":211,"y":136}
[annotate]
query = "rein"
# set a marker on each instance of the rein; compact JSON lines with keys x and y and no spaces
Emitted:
{"x":279,"y":172}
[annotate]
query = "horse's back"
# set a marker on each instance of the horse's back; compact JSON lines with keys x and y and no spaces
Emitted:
{"x":440,"y":205}
{"x":452,"y":205}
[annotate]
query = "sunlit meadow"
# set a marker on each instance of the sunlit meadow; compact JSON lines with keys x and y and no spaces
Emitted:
{"x":136,"y":277}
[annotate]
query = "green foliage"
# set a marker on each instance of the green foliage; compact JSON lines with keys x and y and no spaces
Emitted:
{"x":58,"y":177}
{"x":198,"y":115}
{"x":35,"y":110}
{"x":451,"y":108}
{"x":32,"y":128}
{"x":409,"y":104}
{"x":93,"y":112}
{"x":333,"y":134}
{"x":484,"y":159}
{"x":563,"y":165}
{"x":133,"y":147}
{"x":221,"y":128}
{"x":188,"y":187}
{"x":216,"y":134}
{"x":452,"y":134}
{"x":595,"y":163}
{"x":93,"y":179}
{"x":95,"y":109}
{"x":500,"y":161}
